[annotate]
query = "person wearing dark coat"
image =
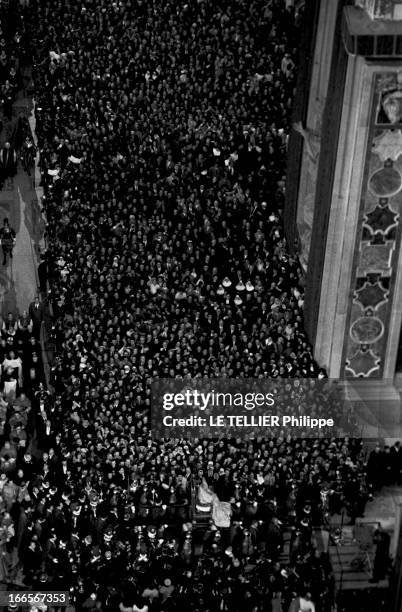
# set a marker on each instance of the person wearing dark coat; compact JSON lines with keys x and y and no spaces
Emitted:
{"x":21,"y":131}
{"x":387,"y":467}
{"x":8,"y":161}
{"x":374,"y":468}
{"x":43,"y":274}
{"x":36,"y":313}
{"x":46,"y":438}
{"x":32,"y":556}
{"x":7,"y":238}
{"x":7,"y":92}
{"x":381,"y":559}
{"x":396,"y":460}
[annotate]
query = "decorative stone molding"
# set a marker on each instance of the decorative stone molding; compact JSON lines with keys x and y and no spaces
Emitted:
{"x":371,"y":295}
{"x":381,"y":220}
{"x":376,"y":36}
{"x":385,"y":182}
{"x":364,"y":363}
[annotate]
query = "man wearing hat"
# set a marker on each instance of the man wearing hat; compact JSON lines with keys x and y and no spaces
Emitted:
{"x":76,"y":517}
{"x":86,"y":549}
{"x":32,"y":557}
{"x":93,"y":565}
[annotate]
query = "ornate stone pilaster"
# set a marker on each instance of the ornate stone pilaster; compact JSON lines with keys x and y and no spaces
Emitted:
{"x":375,"y":281}
{"x":343,"y":217}
{"x":311,"y":133}
{"x":357,"y":324}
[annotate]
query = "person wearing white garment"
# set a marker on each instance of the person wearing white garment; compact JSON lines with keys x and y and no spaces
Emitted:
{"x":302,"y":604}
{"x":10,"y":386}
{"x":14,"y":363}
{"x":142,"y":607}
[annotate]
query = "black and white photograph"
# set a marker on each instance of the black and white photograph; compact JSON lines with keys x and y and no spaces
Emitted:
{"x":200,"y":305}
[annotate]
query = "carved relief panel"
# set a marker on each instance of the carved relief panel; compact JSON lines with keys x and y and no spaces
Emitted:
{"x":379,"y":234}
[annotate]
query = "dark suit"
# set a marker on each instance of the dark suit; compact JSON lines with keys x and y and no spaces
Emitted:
{"x":396,"y":458}
{"x":36,"y":314}
{"x":46,"y":437}
{"x":381,"y":559}
{"x":374,"y":469}
{"x":7,"y":237}
{"x":43,"y":275}
{"x":8,"y":162}
{"x":32,"y":559}
{"x":8,"y":99}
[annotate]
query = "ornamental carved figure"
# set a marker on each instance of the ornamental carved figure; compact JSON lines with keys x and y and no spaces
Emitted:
{"x":392,"y":105}
{"x":378,"y":9}
{"x":367,"y":5}
{"x":390,"y":89}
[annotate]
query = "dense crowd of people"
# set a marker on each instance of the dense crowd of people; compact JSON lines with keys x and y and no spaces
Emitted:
{"x":11,"y":52}
{"x":21,"y":422}
{"x":163,"y":135}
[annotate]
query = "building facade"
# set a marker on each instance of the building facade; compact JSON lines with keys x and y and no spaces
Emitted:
{"x":346,"y":209}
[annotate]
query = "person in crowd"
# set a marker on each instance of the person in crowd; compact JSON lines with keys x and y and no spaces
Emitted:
{"x":14,"y":363}
{"x":43,"y":272}
{"x":22,"y":131}
{"x":381,"y":560}
{"x":35,"y":311}
{"x":375,"y":467}
{"x":396,"y":462}
{"x":8,"y":161}
{"x":302,"y":604}
{"x":9,"y":326}
{"x":24,"y":326}
{"x":8,"y":95}
{"x":8,"y":240}
{"x":28,"y":153}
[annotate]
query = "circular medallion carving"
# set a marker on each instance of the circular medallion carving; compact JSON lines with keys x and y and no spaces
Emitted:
{"x":366,"y":330}
{"x":385,"y":183}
